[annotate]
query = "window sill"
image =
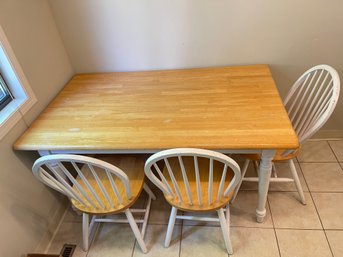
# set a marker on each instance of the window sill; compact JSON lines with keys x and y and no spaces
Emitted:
{"x":13,"y":112}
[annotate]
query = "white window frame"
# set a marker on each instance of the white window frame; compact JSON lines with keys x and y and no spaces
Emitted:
{"x":17,"y":83}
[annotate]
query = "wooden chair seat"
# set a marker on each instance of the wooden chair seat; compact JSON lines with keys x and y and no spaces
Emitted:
{"x":203,"y":171}
{"x":278,"y":156}
{"x":133,"y":165}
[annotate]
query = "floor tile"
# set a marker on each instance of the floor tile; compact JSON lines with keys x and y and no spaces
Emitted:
{"x":316,"y":151}
{"x":335,"y":238}
{"x":303,"y":243}
{"x":154,"y":239}
{"x":200,"y":241}
{"x":288,"y":212}
{"x":207,"y":241}
{"x":330,"y":209}
{"x":337,"y":147}
{"x":243,"y":211}
{"x":323,"y":177}
{"x":112,"y":240}
{"x":68,"y":233}
{"x":254,"y":242}
{"x":283,"y":171}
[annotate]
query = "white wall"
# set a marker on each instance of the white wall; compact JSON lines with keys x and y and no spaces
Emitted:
{"x":28,"y":209}
{"x":291,"y":36}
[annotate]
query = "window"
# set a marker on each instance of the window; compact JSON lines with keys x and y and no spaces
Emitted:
{"x":16,"y":96}
{"x":5,"y":95}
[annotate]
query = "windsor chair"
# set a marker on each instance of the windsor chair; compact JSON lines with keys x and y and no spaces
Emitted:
{"x":195,"y":180}
{"x":309,"y":104}
{"x":100,"y":188}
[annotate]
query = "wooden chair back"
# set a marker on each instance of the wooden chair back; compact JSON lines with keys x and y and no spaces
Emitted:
{"x":312,"y":99}
{"x":194,"y":179}
{"x":98,"y":188}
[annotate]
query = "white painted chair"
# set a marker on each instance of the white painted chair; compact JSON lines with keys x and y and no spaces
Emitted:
{"x":100,"y":188}
{"x":195,"y":180}
{"x":309,"y":104}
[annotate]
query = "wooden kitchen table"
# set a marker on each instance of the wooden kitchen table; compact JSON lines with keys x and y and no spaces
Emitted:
{"x":229,"y":109}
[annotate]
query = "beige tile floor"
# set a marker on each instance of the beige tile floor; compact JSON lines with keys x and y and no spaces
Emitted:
{"x":289,"y":230}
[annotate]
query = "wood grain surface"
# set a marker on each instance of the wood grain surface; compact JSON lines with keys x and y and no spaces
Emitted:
{"x":215,"y":108}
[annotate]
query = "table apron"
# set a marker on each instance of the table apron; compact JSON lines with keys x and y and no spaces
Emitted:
{"x":151,"y":151}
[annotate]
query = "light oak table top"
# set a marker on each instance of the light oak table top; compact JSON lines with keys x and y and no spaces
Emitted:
{"x":214,"y":108}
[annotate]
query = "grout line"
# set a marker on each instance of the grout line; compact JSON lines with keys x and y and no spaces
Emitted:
{"x":271,"y":216}
{"x":266,"y":228}
{"x":134,"y":246}
{"x":305,"y":191}
{"x":317,"y":162}
{"x":306,"y":229}
{"x":315,"y":206}
{"x":327,"y":192}
{"x":321,"y":162}
{"x":276,"y":191}
{"x":333,"y":152}
{"x":324,"y":139}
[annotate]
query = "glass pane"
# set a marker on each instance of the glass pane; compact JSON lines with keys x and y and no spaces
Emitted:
{"x":2,"y":93}
{"x":5,"y":96}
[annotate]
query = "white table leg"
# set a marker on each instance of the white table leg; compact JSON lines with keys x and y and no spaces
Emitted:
{"x":263,"y":182}
{"x":44,"y":152}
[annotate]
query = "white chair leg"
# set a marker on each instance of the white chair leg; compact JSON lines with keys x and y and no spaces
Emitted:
{"x":274,"y":174}
{"x":135,"y":230}
{"x":85,"y":231}
{"x":257,"y":167}
{"x":170,"y":229}
{"x":148,"y":191}
{"x":297,"y":181}
{"x":146,"y":217}
{"x":225,"y":226}
{"x":244,"y":170}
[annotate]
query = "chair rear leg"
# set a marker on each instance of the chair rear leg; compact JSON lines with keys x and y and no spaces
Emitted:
{"x":244,"y":170}
{"x":170,"y":229}
{"x":146,"y":217}
{"x":274,"y":173}
{"x":149,"y":192}
{"x":225,"y":226}
{"x":135,"y":230}
{"x":297,"y":181}
{"x":85,"y":231}
{"x":257,"y":167}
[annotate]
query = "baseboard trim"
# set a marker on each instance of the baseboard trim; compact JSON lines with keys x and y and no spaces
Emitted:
{"x":328,"y":134}
{"x":55,"y":223}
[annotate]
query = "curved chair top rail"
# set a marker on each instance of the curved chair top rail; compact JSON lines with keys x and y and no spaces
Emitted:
{"x":88,"y":190}
{"x":312,"y":99}
{"x":172,"y":188}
